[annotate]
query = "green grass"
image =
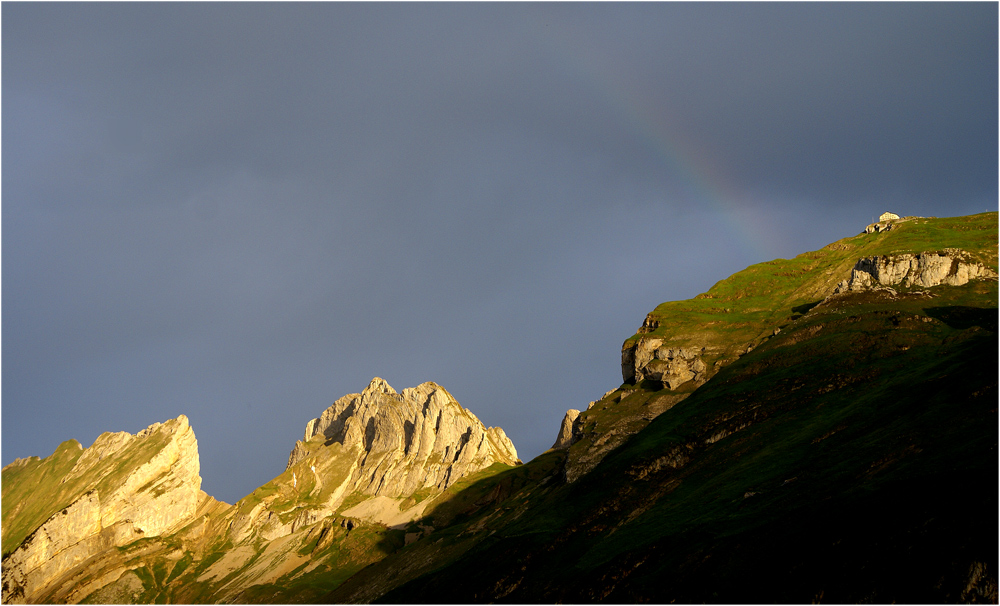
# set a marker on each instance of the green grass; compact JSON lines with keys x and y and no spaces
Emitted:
{"x":475,"y":491}
{"x":846,"y":410}
{"x":749,"y":304}
{"x":294,"y":489}
{"x":880,"y":406}
{"x":351,"y":500}
{"x":23,"y":511}
{"x":179,"y":568}
{"x":346,"y":555}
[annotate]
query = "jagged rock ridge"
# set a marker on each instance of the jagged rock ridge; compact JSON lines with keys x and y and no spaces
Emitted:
{"x":372,"y":462}
{"x":377,"y":458}
{"x":376,"y":448}
{"x":407,"y":441}
{"x":128,"y":487}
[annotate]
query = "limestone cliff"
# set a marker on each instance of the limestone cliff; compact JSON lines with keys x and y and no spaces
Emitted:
{"x":373,"y":462}
{"x":123,"y":488}
{"x":125,"y":520}
{"x":411,"y":440}
{"x":368,"y":454}
{"x":952,"y":267}
{"x":654,"y":358}
{"x":566,"y":435}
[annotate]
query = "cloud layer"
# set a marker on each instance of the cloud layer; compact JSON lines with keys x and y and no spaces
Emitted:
{"x":240,"y":212}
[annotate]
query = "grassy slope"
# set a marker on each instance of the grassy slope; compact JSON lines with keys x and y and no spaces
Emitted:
{"x":745,"y":309}
{"x":748,"y":305}
{"x":35,"y":476}
{"x":466,"y":513}
{"x":842,"y":423}
{"x":850,"y":457}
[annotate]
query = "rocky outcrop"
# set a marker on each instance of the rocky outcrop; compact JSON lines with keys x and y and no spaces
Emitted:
{"x":565,"y":438}
{"x":953,"y":267}
{"x":610,"y":422}
{"x":135,"y":487}
{"x":674,"y":366}
{"x":407,"y":441}
{"x":377,"y":448}
{"x":886,"y":222}
{"x":652,"y":358}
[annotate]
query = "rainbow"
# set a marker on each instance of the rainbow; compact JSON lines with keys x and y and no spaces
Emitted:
{"x":690,"y":167}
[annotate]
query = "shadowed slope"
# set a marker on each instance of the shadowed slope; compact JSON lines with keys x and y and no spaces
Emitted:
{"x":856,"y":462}
{"x":849,"y":456}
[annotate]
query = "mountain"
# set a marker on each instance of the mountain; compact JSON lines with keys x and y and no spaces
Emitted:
{"x":125,"y":520}
{"x":814,"y":429}
{"x":119,"y":493}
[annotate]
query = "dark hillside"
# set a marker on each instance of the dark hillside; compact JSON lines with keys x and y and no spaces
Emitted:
{"x":852,"y":460}
{"x":849,"y":457}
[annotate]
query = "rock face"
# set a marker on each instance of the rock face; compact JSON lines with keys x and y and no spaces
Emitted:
{"x":653,"y":358}
{"x":952,"y":267}
{"x":610,"y":422}
{"x":674,"y":366}
{"x":565,"y":438}
{"x":407,"y":441}
{"x":128,"y":488}
{"x":373,"y":461}
{"x":376,"y":449}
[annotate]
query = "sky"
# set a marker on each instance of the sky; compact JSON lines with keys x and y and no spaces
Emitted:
{"x":241,"y":212}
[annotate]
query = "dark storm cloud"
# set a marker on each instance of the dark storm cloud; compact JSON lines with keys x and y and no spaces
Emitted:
{"x":240,"y":212}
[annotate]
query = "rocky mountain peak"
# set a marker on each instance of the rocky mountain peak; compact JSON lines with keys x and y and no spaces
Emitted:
{"x":368,"y":454}
{"x":379,"y":385}
{"x":423,"y":425}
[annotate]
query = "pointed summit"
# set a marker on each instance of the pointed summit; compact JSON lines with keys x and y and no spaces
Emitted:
{"x":379,"y":385}
{"x":404,"y":441}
